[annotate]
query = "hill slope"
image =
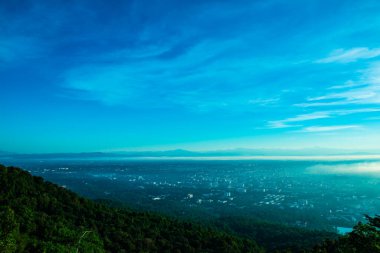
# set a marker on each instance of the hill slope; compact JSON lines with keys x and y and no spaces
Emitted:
{"x":38,"y":216}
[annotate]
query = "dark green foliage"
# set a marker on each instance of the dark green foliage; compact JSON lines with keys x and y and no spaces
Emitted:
{"x":274,"y":236}
{"x":38,"y":216}
{"x":365,"y":238}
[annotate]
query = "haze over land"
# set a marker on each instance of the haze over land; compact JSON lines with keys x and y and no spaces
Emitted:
{"x":230,"y":154}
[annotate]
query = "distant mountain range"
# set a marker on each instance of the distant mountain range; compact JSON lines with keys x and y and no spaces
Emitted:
{"x":181,"y":153}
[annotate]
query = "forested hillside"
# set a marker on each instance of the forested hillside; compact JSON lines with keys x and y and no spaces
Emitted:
{"x":38,"y":216}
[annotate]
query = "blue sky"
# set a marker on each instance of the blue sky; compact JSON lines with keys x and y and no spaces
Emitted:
{"x":201,"y":75}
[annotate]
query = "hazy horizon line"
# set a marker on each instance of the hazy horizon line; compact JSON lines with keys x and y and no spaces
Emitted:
{"x":335,"y":151}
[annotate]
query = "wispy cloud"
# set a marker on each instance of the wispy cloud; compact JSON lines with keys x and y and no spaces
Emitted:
{"x":264,"y":101}
{"x":195,"y":66}
{"x":346,"y":85}
{"x":313,"y":129}
{"x":373,"y":118}
{"x":367,"y":91}
{"x":350,"y":55}
{"x":317,"y":115}
{"x":185,"y":79}
{"x":303,"y":117}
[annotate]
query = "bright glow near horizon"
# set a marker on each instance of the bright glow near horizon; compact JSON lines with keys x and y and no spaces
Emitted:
{"x":200,"y":75}
{"x":363,"y":168}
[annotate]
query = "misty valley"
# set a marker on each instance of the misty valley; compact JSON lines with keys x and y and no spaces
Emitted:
{"x":305,"y":194}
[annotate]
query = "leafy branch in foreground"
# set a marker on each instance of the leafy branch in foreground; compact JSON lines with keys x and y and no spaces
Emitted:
{"x":364,"y":238}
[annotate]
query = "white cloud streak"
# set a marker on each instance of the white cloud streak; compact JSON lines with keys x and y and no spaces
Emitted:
{"x":350,"y":55}
{"x":365,"y":91}
{"x":348,"y":84}
{"x":314,"y":129}
{"x":317,"y":115}
{"x":184,"y":80}
{"x":303,"y":117}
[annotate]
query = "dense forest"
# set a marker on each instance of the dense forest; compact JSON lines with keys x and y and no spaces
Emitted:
{"x":38,"y":216}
